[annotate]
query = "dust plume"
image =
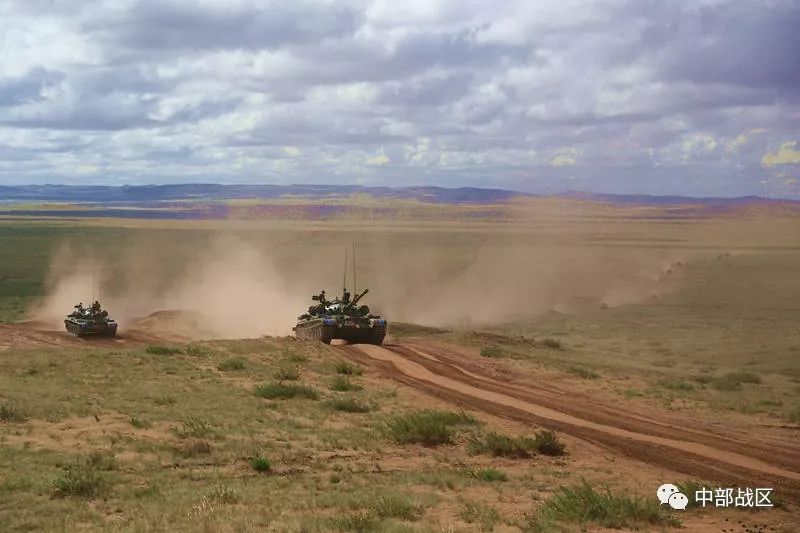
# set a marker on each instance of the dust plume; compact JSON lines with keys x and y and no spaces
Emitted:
{"x":500,"y":284}
{"x":251,"y":284}
{"x":228,"y":287}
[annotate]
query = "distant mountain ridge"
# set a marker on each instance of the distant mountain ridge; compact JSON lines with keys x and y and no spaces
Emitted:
{"x":203,"y":191}
{"x":208,"y":191}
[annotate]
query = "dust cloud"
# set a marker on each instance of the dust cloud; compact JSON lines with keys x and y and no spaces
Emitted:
{"x":233,"y":286}
{"x":228,"y":289}
{"x":500,"y":284}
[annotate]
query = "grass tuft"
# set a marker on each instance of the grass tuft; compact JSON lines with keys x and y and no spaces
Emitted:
{"x":349,"y":405}
{"x":232,"y":363}
{"x":344,"y":384}
{"x":103,"y":461}
{"x":500,"y":445}
{"x":198,"y":350}
{"x":348,"y":369}
{"x":426,"y":427}
{"x":287,"y":373}
{"x":195,"y":428}
{"x":547,"y":442}
{"x":11,"y":414}
{"x":492,"y":352}
{"x":83,"y":479}
{"x":553,"y":344}
{"x":479,"y":513}
{"x":396,"y":506}
{"x":193,"y":447}
{"x":224,"y":494}
{"x":732,"y":381}
{"x":285,"y":391}
{"x":139,"y":423}
{"x":794,"y":415}
{"x":582,"y":372}
{"x":294,"y":357}
{"x":681,"y":386}
{"x":583,"y":504}
{"x":363,"y":521}
{"x":491,"y":475}
{"x":163,"y":350}
{"x":260,"y":464}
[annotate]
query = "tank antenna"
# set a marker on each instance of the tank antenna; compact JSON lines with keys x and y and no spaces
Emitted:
{"x":355,"y":287}
{"x":344,"y":274}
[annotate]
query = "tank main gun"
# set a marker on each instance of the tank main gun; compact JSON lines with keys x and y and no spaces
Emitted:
{"x":354,"y":301}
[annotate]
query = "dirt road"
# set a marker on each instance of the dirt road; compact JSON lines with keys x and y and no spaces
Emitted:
{"x":730,"y":458}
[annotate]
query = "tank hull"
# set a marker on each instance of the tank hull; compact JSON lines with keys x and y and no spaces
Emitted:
{"x":353,"y":331}
{"x":91,"y":328}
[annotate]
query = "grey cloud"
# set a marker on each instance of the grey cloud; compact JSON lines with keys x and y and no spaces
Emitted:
{"x":647,"y":95}
{"x":179,"y":26}
{"x":18,"y":91}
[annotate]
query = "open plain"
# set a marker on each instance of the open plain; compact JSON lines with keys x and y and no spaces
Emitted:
{"x":550,"y":364}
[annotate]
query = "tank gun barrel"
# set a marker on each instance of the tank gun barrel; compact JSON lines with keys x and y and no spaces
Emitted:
{"x":355,"y":300}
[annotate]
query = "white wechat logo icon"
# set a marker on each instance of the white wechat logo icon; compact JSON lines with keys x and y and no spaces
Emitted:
{"x":678,"y":501}
{"x":670,"y":494}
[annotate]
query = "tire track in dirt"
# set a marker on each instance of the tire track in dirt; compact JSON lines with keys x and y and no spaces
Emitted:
{"x":547,"y":395}
{"x":695,"y":459}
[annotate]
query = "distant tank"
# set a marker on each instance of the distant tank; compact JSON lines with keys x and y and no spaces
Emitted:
{"x":340,"y":318}
{"x":91,"y":320}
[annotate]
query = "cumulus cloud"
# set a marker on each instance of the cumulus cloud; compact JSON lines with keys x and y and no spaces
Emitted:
{"x":686,"y":97}
{"x":786,"y":155}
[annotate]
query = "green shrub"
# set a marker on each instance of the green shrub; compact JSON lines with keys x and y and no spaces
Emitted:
{"x":426,"y":427}
{"x":585,"y":505}
{"x":288,"y":373}
{"x":285,"y":391}
{"x":582,"y":372}
{"x":344,"y":384}
{"x":349,"y":405}
{"x":232,"y":363}
{"x":491,"y":474}
{"x":163,"y":350}
{"x":492,"y":351}
{"x":82,"y":479}
{"x":546,"y":442}
{"x":348,"y":369}
{"x":11,"y":414}
{"x":260,"y":464}
{"x":500,"y":445}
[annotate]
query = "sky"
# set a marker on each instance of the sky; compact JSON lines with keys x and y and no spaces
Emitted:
{"x":695,"y":97}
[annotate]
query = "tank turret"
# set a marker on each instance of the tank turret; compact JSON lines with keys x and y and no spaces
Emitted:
{"x":92,"y":320}
{"x":340,"y":318}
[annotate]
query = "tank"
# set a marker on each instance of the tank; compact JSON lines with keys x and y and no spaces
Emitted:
{"x":90,"y":321}
{"x":340,"y":318}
